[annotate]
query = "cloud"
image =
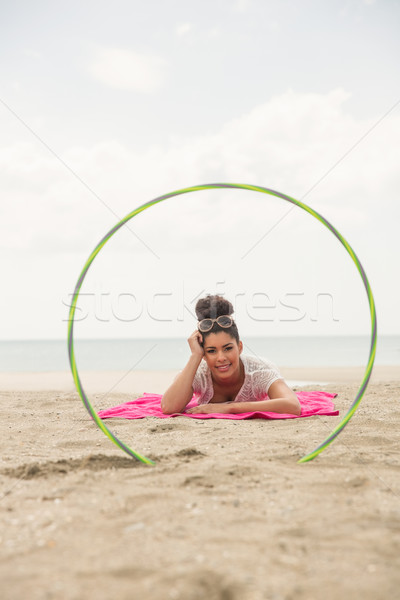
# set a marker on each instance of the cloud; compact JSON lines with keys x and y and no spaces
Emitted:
{"x":183,"y":29}
{"x":128,"y":70}
{"x":33,"y":53}
{"x":288,"y":143}
{"x":242,"y":6}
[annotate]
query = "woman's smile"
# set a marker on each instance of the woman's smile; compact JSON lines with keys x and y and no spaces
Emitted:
{"x":223,"y":368}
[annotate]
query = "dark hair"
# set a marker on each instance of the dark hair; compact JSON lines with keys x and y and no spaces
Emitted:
{"x":212,"y":307}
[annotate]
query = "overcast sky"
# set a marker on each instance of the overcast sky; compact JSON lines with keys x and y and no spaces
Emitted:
{"x":104,"y":106}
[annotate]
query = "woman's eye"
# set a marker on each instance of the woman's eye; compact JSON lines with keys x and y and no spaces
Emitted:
{"x":228,"y":349}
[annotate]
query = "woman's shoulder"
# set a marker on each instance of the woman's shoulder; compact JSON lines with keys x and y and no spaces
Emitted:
{"x":202,"y":385}
{"x":203,"y":373}
{"x":203,"y":367}
{"x":260,"y":373}
{"x":253,"y":363}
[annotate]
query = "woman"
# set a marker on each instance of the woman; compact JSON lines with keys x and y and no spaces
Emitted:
{"x":219,"y":374}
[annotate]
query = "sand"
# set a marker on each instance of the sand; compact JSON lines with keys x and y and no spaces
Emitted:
{"x":225,"y":514}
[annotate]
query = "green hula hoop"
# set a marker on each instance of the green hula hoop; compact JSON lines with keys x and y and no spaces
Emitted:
{"x":198,"y":188}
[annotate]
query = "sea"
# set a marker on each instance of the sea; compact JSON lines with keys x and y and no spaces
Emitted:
{"x":172,"y":353}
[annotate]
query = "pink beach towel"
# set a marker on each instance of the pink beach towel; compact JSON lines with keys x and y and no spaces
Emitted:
{"x":149,"y":405}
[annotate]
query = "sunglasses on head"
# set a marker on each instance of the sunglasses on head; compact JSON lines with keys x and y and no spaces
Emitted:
{"x":207,"y":324}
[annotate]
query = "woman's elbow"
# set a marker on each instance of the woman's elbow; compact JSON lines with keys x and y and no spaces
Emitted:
{"x":295,"y":407}
{"x":170,"y":409}
{"x":166,"y":410}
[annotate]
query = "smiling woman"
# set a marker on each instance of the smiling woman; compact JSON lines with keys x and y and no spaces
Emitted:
{"x":218,"y":373}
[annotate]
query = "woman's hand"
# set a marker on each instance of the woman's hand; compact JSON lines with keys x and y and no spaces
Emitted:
{"x":195,"y":342}
{"x":215,"y":407}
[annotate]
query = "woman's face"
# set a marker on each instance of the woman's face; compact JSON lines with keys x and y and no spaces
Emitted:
{"x":222,"y":355}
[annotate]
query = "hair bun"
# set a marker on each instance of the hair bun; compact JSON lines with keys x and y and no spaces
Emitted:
{"x":212,"y":307}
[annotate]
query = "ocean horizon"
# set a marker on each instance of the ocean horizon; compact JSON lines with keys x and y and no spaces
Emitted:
{"x":151,"y":354}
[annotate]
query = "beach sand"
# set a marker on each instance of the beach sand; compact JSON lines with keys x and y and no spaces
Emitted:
{"x":226,"y":513}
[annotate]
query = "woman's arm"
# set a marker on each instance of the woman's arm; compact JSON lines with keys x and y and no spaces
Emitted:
{"x":180,"y":392}
{"x":277,"y":405}
{"x":281,"y":400}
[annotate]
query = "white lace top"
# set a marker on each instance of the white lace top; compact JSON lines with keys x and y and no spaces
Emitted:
{"x":258,"y":376}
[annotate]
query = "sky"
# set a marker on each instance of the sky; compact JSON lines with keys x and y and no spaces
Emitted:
{"x":105,"y":106}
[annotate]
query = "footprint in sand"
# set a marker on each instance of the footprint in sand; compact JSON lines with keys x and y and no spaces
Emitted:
{"x":92,"y":462}
{"x":163,"y":427}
